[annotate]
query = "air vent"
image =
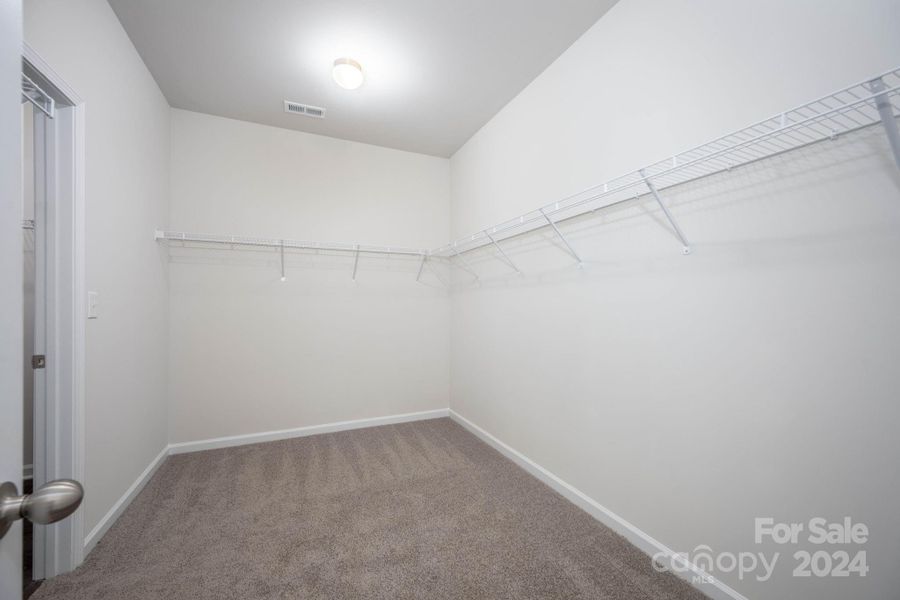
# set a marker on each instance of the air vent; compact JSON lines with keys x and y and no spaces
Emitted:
{"x":295,"y":108}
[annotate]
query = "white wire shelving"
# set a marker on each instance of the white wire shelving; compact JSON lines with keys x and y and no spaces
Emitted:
{"x":281,"y":245}
{"x":871,"y":102}
{"x":237,"y":240}
{"x":31,"y":92}
{"x":877,"y":100}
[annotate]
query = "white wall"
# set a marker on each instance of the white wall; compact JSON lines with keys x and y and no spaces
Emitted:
{"x":752,"y":378}
{"x":249,"y":353}
{"x":126,"y":188}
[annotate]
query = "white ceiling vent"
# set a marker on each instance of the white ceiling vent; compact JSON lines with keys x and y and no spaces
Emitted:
{"x":295,"y":108}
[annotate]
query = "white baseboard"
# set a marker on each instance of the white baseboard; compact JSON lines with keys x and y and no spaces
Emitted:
{"x":239,"y":440}
{"x":716,"y":590}
{"x":284,"y":434}
{"x":119,"y":507}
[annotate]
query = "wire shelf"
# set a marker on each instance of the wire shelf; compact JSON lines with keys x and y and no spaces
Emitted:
{"x":846,"y":110}
{"x":277,"y":243}
{"x":876,"y":100}
{"x":31,"y":92}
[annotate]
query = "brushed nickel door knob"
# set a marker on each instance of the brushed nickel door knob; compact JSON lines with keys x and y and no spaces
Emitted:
{"x":52,"y":502}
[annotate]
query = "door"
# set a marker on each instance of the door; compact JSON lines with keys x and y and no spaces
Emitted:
{"x":57,"y":499}
{"x":11,"y":261}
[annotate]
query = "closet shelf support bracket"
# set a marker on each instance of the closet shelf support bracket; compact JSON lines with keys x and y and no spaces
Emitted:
{"x":886,"y":112}
{"x":563,"y":238}
{"x":421,"y":267}
{"x":686,"y":246}
{"x":462,"y":263}
{"x":506,"y":258}
{"x":355,"y":261}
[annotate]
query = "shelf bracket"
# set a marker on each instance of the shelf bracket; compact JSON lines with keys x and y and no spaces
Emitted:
{"x":281,"y":251}
{"x":886,"y":112}
{"x":686,"y":246}
{"x":500,"y":250}
{"x":421,"y":267}
{"x":563,"y":238}
{"x":355,"y":262}
{"x":463,"y":264}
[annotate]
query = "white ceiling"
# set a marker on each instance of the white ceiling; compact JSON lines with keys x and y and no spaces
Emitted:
{"x":436,"y":70}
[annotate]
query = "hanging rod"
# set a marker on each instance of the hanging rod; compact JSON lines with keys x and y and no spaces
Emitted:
{"x":874,"y":101}
{"x":238,"y":240}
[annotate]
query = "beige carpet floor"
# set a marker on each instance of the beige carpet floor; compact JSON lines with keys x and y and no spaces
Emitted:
{"x":420,"y":510}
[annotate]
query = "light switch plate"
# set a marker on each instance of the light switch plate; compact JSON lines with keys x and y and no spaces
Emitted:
{"x":93,"y":305}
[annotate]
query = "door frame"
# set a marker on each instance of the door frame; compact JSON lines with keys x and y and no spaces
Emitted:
{"x":60,"y":435}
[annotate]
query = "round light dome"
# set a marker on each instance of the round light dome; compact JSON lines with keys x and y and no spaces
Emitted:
{"x":347,"y":73}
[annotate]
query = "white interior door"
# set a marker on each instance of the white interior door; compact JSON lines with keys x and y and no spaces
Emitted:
{"x":11,"y":261}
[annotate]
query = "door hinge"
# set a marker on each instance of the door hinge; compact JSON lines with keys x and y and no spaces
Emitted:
{"x":38,"y":361}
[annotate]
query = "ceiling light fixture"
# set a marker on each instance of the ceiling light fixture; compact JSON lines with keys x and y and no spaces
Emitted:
{"x":347,"y":73}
